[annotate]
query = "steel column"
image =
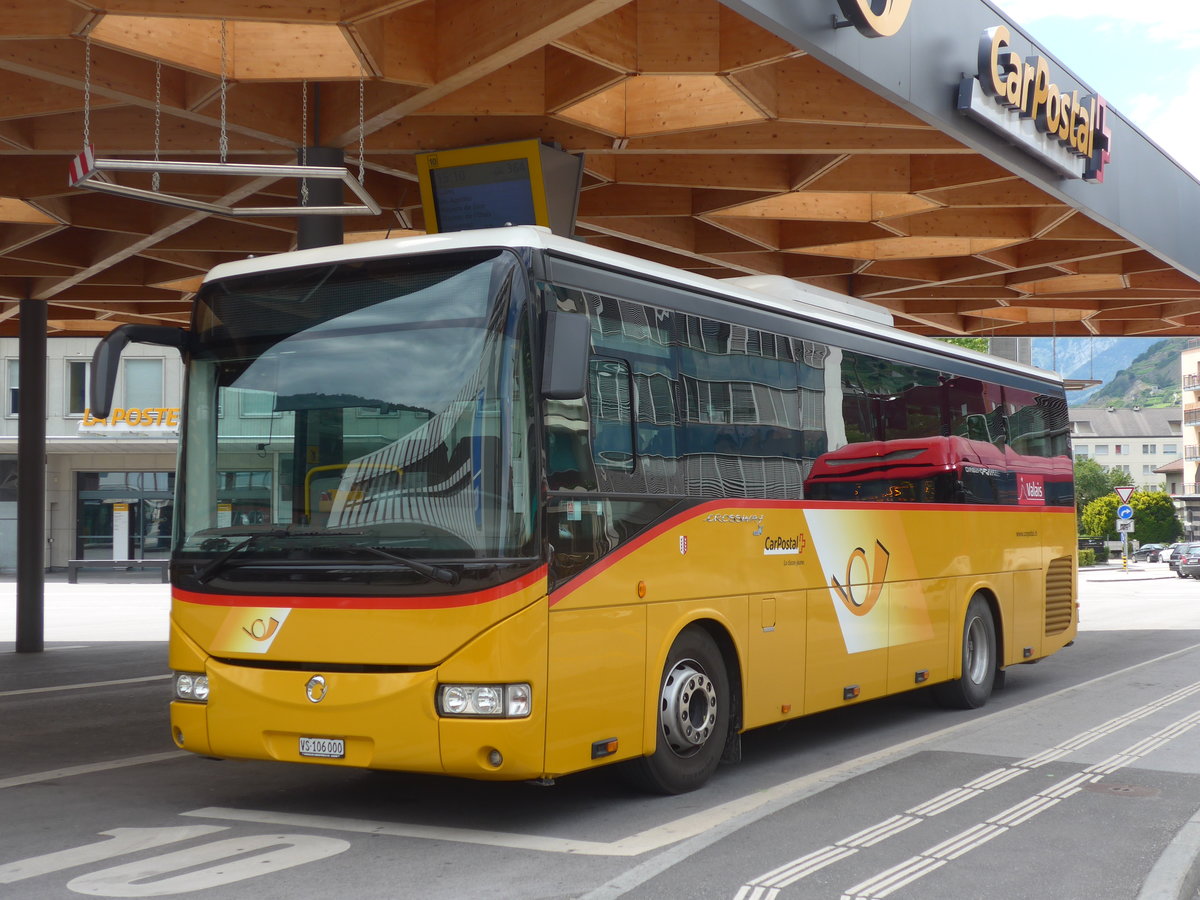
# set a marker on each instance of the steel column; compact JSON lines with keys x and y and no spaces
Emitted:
{"x":31,"y":479}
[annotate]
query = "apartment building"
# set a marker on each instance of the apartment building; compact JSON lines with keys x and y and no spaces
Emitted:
{"x":1136,"y":441}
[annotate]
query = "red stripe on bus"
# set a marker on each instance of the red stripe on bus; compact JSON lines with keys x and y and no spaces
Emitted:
{"x":449,"y":601}
{"x":693,"y":512}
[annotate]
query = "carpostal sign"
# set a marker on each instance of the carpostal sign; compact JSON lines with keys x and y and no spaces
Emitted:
{"x":1017,"y":99}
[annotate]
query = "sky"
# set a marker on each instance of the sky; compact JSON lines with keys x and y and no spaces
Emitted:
{"x":1143,"y":57}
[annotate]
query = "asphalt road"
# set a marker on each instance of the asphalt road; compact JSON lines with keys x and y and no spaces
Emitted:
{"x":1072,"y":783}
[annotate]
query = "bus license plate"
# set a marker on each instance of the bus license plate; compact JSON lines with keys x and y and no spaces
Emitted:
{"x":326,"y":748}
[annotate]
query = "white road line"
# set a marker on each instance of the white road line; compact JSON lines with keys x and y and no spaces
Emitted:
{"x":789,"y":793}
{"x":83,"y":687}
{"x":952,"y":798}
{"x":974,"y":837}
{"x":89,"y":768}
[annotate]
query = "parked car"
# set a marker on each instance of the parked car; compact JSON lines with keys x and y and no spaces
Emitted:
{"x":1169,"y":553}
{"x":1181,"y":552}
{"x":1148,"y":553}
{"x":1189,"y":563}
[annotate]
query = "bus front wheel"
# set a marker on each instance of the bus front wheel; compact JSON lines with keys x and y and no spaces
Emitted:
{"x":973,"y":687}
{"x":692,"y":717}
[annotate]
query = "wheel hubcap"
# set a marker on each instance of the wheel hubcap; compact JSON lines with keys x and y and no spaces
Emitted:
{"x":977,"y":662}
{"x":688,"y":711}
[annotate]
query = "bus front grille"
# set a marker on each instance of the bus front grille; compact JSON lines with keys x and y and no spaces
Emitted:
{"x":1059,"y":595}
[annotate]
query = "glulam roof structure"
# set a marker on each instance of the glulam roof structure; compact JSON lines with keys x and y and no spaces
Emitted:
{"x":711,"y":142}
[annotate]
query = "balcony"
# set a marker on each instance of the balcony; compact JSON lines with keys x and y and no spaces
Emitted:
{"x":1191,"y":382}
{"x":1191,"y":451}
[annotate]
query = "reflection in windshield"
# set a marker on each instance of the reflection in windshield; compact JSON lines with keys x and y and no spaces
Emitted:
{"x":388,"y":398}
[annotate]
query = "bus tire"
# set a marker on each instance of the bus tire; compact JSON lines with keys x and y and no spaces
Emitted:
{"x":691,"y":715}
{"x":973,"y":687}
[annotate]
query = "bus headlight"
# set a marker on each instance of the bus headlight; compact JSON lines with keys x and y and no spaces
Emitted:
{"x":191,"y":686}
{"x":491,"y":701}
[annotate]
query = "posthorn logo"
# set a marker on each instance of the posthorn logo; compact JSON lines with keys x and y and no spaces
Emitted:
{"x":876,"y":18}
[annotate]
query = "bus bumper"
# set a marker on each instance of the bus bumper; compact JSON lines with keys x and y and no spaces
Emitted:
{"x":383,"y":720}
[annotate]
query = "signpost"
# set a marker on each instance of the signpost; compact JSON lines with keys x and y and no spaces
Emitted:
{"x":1124,"y":522}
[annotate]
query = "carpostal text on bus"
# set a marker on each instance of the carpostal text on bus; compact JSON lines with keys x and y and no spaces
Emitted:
{"x":1066,"y":130}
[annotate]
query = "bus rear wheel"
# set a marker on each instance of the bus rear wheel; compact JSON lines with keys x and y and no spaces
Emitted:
{"x":692,"y":717}
{"x":974,"y":686}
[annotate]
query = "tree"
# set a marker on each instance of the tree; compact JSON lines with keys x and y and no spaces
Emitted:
{"x":971,"y":343}
{"x":1153,"y":516}
{"x":1093,"y":481}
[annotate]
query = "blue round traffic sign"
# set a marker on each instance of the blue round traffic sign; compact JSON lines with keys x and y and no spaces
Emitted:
{"x":1124,"y":511}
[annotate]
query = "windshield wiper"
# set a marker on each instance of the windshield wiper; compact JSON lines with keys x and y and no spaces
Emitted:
{"x":218,"y":562}
{"x":434,"y":573}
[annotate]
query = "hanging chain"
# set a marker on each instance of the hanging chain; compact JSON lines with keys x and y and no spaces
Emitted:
{"x":87,"y":90}
{"x":361,"y":130}
{"x":304,"y":140}
{"x":154,"y":179}
{"x":224,"y":142}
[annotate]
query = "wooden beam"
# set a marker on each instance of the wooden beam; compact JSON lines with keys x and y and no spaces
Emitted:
{"x":678,"y":37}
{"x":475,"y":37}
{"x":127,"y":247}
{"x":810,"y":91}
{"x":788,"y":137}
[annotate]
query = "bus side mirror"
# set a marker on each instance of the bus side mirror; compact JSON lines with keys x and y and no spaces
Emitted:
{"x":564,"y":372}
{"x":108,"y":355}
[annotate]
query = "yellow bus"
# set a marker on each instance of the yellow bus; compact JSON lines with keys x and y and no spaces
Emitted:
{"x":501,"y":505}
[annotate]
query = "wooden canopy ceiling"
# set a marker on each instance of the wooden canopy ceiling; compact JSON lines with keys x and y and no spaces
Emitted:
{"x":709,"y":144}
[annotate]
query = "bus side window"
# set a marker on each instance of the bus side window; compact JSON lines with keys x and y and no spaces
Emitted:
{"x":611,"y":406}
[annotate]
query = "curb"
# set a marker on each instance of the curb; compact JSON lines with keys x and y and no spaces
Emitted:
{"x":1176,"y":875}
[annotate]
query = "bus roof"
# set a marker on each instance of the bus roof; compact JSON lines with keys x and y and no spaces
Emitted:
{"x":800,"y":300}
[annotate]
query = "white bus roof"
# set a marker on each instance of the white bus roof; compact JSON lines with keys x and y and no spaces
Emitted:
{"x":769,"y":292}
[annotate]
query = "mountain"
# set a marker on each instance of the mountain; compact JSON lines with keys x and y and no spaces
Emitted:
{"x":1104,"y":358}
{"x":1152,"y":379}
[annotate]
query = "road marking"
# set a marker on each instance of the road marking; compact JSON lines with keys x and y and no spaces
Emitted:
{"x":85,"y":686}
{"x":789,"y":793}
{"x":178,"y":872}
{"x":813,"y":862}
{"x":917,"y":867}
{"x":121,"y":841}
{"x":89,"y":768}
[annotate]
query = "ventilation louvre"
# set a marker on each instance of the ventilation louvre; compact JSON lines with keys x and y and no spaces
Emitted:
{"x":1060,"y":595}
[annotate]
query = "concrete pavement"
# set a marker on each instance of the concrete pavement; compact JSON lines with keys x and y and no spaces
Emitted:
{"x":136,"y":608}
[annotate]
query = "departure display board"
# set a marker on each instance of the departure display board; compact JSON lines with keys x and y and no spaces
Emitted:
{"x":483,"y":195}
{"x":516,"y":183}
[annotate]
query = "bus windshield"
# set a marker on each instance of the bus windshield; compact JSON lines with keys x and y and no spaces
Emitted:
{"x":370,"y":413}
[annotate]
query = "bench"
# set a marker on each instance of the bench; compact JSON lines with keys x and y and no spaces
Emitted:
{"x":74,"y":565}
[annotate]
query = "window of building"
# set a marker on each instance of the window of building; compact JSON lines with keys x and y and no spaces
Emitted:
{"x":1172,"y":449}
{"x":1122,"y":468}
{"x":77,"y":386}
{"x":1102,"y":449}
{"x":1148,"y":469}
{"x":1082,"y":451}
{"x":14,"y":388}
{"x":1121,"y":449}
{"x":143,"y":383}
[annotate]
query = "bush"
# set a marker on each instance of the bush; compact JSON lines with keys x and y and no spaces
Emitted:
{"x":1087,"y":558}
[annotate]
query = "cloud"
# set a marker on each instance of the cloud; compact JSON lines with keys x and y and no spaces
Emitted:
{"x":1169,"y":121}
{"x":1171,"y":22}
{"x":1176,"y":12}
